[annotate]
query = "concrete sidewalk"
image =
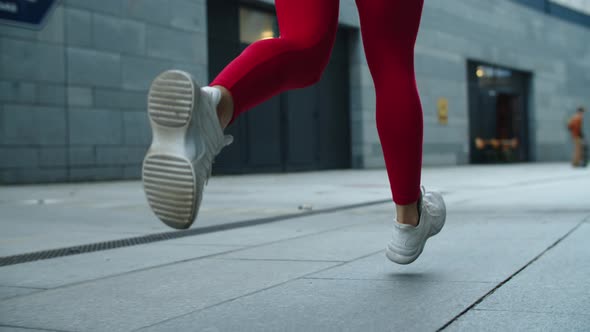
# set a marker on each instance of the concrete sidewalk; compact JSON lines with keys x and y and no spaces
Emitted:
{"x":514,"y":255}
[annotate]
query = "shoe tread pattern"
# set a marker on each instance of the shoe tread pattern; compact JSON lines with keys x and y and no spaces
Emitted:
{"x":169,"y":184}
{"x":171,"y":99}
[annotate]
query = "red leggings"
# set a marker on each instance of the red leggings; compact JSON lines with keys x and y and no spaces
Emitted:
{"x":298,"y":57}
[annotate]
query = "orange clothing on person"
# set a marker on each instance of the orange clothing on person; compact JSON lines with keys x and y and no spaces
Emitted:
{"x":575,"y":128}
{"x":575,"y":125}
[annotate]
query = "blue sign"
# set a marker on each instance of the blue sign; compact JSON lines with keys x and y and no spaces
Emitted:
{"x":27,"y":12}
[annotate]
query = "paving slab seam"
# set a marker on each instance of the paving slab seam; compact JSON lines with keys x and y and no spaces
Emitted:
{"x":559,"y":211}
{"x":203,"y":257}
{"x":536,"y":312}
{"x":228,"y":246}
{"x":278,"y":260}
{"x":16,"y":297}
{"x":259,"y":290}
{"x":422,"y":281}
{"x":33,"y":328}
{"x":35,"y":288}
{"x":535,"y":211}
{"x":493,"y":290}
{"x":524,"y":183}
{"x":543,"y":180}
{"x":157,"y":237}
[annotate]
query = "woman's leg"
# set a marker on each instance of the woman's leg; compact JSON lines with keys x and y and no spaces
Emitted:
{"x":185,"y":132}
{"x":389,"y":29}
{"x":294,"y":60}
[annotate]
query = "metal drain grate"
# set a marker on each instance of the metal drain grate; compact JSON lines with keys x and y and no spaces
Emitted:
{"x":86,"y":248}
{"x":134,"y":241}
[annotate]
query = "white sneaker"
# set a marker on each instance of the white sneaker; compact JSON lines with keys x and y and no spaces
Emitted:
{"x":186,"y":137}
{"x":408,"y":241}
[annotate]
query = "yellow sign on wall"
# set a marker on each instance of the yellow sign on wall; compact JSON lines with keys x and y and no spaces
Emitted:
{"x":442,"y":106}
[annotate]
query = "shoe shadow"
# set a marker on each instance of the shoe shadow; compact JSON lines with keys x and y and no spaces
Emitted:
{"x":411,"y":276}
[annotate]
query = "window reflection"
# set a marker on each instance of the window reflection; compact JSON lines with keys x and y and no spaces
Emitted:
{"x":489,"y":72}
{"x":491,"y":75}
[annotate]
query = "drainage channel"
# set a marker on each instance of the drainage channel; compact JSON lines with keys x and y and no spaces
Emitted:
{"x":134,"y":241}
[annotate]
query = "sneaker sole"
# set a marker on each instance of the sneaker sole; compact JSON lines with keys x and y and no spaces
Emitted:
{"x":168,"y":174}
{"x":401,"y":259}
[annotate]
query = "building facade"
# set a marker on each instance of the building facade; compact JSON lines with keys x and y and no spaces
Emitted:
{"x":497,"y":79}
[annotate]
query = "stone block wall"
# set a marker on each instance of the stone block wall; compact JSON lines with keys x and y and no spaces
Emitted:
{"x":73,"y":94}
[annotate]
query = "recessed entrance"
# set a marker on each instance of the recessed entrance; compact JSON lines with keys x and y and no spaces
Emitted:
{"x":299,"y":130}
{"x":498,"y":114}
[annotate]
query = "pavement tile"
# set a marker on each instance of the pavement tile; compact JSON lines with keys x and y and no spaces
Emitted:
{"x":458,"y":253}
{"x":32,"y":228}
{"x":61,"y":271}
{"x":493,"y":321}
{"x":137,"y":299}
{"x":338,"y":245}
{"x":92,"y":212}
{"x":286,"y":229}
{"x":499,"y":218}
{"x":556,"y":283}
{"x":8,"y":292}
{"x":336,"y":305}
{"x":18,"y":329}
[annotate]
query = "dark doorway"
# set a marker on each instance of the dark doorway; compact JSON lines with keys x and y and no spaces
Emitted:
{"x":299,"y":130}
{"x":498,"y":109}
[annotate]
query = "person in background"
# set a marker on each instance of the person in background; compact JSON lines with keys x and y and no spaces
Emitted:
{"x":575,"y":127}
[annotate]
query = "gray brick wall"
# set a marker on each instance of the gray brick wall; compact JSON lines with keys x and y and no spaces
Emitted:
{"x":73,"y":94}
